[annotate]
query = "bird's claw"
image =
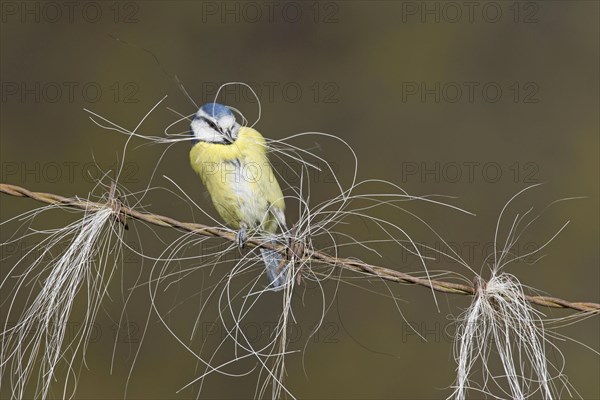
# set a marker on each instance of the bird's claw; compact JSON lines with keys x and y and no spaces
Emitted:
{"x":241,"y":237}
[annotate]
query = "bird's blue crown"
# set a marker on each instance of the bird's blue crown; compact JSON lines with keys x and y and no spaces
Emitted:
{"x":216,"y":110}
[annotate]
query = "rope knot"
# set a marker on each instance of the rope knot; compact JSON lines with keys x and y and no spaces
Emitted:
{"x":479,"y":285}
{"x":115,"y":204}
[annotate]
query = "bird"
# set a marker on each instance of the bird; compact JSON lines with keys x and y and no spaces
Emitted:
{"x":233,"y":166}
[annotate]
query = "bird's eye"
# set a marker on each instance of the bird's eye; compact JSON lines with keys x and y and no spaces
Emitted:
{"x":213,"y":125}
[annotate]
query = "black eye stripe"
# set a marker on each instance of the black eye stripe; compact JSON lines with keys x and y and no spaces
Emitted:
{"x":211,"y":124}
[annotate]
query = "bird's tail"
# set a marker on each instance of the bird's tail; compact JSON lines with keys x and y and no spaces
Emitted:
{"x":276,"y":272}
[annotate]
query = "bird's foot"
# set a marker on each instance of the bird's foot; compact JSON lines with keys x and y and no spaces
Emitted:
{"x":241,"y":237}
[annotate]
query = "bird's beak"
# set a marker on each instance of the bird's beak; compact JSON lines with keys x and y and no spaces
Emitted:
{"x":227,"y":135}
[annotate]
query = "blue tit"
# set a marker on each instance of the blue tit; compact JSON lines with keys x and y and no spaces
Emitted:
{"x":232,"y":163}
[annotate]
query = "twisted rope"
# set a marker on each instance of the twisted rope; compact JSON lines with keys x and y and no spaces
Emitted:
{"x":358,"y":266}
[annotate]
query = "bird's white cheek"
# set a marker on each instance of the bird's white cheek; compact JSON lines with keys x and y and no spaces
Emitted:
{"x":205,"y":134}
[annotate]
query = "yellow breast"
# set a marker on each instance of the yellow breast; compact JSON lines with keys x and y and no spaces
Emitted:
{"x":240,"y":180}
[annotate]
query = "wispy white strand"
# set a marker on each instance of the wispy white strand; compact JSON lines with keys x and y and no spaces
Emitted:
{"x":501,"y":325}
{"x":38,"y":342}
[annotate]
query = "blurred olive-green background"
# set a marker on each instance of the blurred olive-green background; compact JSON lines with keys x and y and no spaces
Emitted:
{"x":476,"y":102}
